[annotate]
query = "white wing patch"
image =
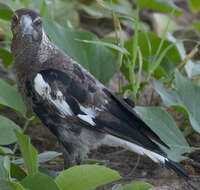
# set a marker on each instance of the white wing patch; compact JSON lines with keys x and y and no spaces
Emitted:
{"x":44,"y":90}
{"x":87,"y":118}
{"x":115,"y":141}
{"x":90,"y":114}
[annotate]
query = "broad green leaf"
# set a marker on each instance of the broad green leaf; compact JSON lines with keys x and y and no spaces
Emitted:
{"x":66,"y":14}
{"x":6,"y":57}
{"x":165,"y":127}
{"x":49,"y":155}
{"x":42,"y":157}
{"x":5,"y":30}
{"x":194,"y":5}
{"x":8,"y":185}
{"x":137,"y":185}
{"x":46,"y":10}
{"x":189,"y":95}
{"x":190,"y":66}
{"x":149,"y":47}
{"x":161,"y":21}
{"x":197,"y":25}
{"x":173,"y":53}
{"x":119,"y":7}
{"x":4,"y":167}
{"x":7,"y":135}
{"x":5,"y":13}
{"x":51,"y":173}
{"x":11,"y":6}
{"x":29,"y":152}
{"x":98,"y":60}
{"x":10,"y":97}
{"x":85,"y":177}
{"x":165,"y":6}
{"x":39,"y":181}
{"x":17,"y":172}
{"x":186,"y":95}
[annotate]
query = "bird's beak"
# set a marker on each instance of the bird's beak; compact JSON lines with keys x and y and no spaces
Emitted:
{"x":26,"y":25}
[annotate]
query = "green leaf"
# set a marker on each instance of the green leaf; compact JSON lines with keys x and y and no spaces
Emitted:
{"x":194,"y":5}
{"x":49,"y":155}
{"x":106,"y":44}
{"x":28,"y":151}
{"x":42,"y":157}
{"x":10,"y":97}
{"x":5,"y":150}
{"x":170,"y":98}
{"x":197,"y":25}
{"x":8,"y":185}
{"x":10,"y":5}
{"x":51,"y":173}
{"x":39,"y":181}
{"x":149,"y":47}
{"x":137,"y":185}
{"x":4,"y":167}
{"x":6,"y":57}
{"x":5,"y":13}
{"x":85,"y":177}
{"x":119,"y":7}
{"x":98,"y":60}
{"x":7,"y":135}
{"x":186,"y":96}
{"x":173,"y":54}
{"x":165,"y":127}
{"x":165,"y":6}
{"x":17,"y":172}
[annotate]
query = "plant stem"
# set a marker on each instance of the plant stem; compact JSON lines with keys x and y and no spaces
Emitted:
{"x":28,"y":120}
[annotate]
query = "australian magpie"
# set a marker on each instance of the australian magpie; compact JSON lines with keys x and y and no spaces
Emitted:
{"x":80,"y":111}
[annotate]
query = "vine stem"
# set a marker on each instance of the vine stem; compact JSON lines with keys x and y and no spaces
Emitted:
{"x":24,"y":129}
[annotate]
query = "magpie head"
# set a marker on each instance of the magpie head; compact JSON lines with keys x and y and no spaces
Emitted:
{"x":27,"y":25}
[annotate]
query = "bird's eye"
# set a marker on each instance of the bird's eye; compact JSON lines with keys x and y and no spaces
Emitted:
{"x":37,"y":21}
{"x":15,"y":18}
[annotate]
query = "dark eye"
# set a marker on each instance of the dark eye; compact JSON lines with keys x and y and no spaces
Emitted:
{"x":37,"y":21}
{"x":15,"y":18}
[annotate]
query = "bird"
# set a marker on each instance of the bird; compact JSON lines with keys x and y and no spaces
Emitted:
{"x":79,"y":110}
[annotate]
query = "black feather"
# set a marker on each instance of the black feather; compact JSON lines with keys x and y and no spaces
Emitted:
{"x":128,"y":114}
{"x":176,"y":168}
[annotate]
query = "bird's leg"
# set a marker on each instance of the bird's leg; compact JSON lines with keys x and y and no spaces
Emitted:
{"x":71,"y":158}
{"x":67,"y":158}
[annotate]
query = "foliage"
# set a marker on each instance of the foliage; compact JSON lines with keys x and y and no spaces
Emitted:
{"x":160,"y":55}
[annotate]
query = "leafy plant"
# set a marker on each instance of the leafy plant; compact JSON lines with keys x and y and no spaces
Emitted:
{"x":162,"y":57}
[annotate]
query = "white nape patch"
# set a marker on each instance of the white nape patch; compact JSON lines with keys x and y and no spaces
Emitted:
{"x":44,"y":90}
{"x":90,"y":114}
{"x":115,"y":141}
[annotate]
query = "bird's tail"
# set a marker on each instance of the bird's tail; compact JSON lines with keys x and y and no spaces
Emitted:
{"x":176,"y":168}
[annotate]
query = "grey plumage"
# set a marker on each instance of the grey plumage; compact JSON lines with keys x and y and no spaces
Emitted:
{"x":77,"y":108}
